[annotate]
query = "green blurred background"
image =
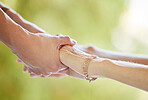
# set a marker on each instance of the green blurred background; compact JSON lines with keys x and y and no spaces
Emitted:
{"x":88,"y":22}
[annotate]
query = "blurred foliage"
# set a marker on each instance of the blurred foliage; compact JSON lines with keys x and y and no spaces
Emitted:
{"x":88,"y":22}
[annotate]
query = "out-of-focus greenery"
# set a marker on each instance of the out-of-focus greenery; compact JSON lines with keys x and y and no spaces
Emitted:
{"x":88,"y":22}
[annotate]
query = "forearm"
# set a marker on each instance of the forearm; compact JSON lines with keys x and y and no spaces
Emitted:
{"x":3,"y":23}
{"x":10,"y":32}
{"x":24,"y":23}
{"x":122,"y":57}
{"x":19,"y":20}
{"x":126,"y":72}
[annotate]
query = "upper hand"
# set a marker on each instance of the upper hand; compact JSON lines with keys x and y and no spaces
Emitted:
{"x":40,"y":52}
{"x":35,"y":29}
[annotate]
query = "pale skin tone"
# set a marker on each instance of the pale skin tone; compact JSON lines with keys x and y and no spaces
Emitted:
{"x":106,"y":64}
{"x":114,"y":55}
{"x":130,"y":73}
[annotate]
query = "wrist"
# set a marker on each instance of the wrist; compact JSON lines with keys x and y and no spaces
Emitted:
{"x":100,"y":67}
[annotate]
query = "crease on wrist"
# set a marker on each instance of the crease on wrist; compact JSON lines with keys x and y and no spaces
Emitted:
{"x":86,"y":66}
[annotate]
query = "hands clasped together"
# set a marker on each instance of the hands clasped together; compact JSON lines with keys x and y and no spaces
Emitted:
{"x":45,"y":55}
{"x":38,"y":50}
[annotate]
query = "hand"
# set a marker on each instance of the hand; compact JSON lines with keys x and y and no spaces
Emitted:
{"x":35,"y":29}
{"x":44,"y":44}
{"x":79,"y":61}
{"x":40,"y":52}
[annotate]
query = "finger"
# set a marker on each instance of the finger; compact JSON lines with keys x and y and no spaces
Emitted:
{"x":57,"y":75}
{"x":62,"y":67}
{"x":40,"y":72}
{"x":25,"y":69}
{"x":19,"y":20}
{"x":72,"y":73}
{"x":34,"y":70}
{"x":74,"y":58}
{"x":33,"y":75}
{"x":44,"y":72}
{"x":66,"y":40}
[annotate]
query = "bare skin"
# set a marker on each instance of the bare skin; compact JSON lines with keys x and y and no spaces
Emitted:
{"x":129,"y":73}
{"x":32,"y":28}
{"x":114,"y":55}
{"x":39,"y":52}
{"x":126,"y":72}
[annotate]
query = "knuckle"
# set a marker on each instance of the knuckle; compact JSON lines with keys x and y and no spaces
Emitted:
{"x":91,"y":48}
{"x":67,"y":38}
